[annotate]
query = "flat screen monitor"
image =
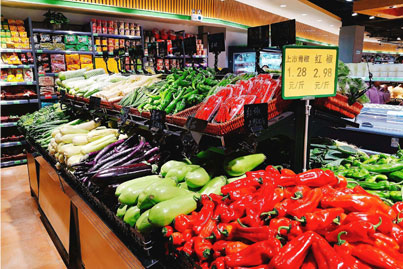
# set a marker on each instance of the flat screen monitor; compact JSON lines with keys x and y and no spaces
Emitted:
{"x":283,"y":33}
{"x":216,"y":42}
{"x":259,"y":37}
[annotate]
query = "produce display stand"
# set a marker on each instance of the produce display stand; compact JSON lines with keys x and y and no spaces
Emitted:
{"x":119,"y":244}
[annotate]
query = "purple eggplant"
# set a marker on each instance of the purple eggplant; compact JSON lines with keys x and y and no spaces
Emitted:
{"x":120,"y":174}
{"x":119,"y":161}
{"x":107,"y":148}
{"x":154,"y":159}
{"x":130,"y":142}
{"x":143,"y":157}
{"x":110,"y":158}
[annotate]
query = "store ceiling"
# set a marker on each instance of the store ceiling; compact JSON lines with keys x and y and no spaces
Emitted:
{"x":387,"y":24}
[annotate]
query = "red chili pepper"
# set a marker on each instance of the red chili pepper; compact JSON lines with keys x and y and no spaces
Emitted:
{"x":177,"y":238}
{"x":398,"y":210}
{"x":219,"y":247}
{"x":262,"y":266}
{"x":271,"y":170}
{"x":299,"y":190}
{"x":204,"y":265}
{"x":306,"y":204}
{"x":256,"y":254}
{"x":344,"y":249}
{"x":397,"y":234}
{"x":279,"y":210}
{"x":385,"y":242}
{"x":320,"y":219}
{"x":234,"y":247}
{"x":360,"y":190}
{"x":286,"y":180}
{"x":219,"y":263}
{"x":253,"y":234}
{"x":217,"y":199}
{"x":167,"y":231}
{"x":248,"y":181}
{"x":357,"y":231}
{"x":202,"y":248}
{"x":316,"y":178}
{"x":293,"y":254}
{"x":208,"y":228}
{"x":376,"y":257}
{"x":325,"y":255}
{"x":237,"y":208}
{"x":205,"y":213}
{"x":342,"y":182}
{"x":182,"y":222}
{"x":281,"y":225}
{"x":286,"y":171}
{"x":356,"y":202}
{"x":187,"y":234}
{"x":309,"y":262}
{"x":188,"y":247}
{"x":385,"y":227}
{"x":241,"y":192}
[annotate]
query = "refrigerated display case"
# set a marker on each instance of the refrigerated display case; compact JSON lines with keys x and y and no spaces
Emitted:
{"x":243,"y":59}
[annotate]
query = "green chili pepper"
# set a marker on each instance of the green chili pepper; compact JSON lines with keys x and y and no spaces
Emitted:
{"x":180,"y":106}
{"x":372,"y":159}
{"x":396,"y":196}
{"x":381,"y":194}
{"x":184,"y":83}
{"x":357,"y":172}
{"x":396,"y":176}
{"x":383,"y":168}
{"x":167,"y":99}
{"x":381,"y":185}
{"x":374,"y":178}
{"x":204,"y":88}
{"x":211,"y":82}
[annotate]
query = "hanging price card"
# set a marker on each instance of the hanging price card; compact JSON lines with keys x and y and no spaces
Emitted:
{"x":309,"y":71}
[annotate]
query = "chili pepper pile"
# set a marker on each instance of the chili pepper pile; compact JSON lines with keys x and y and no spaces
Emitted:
{"x":181,"y":89}
{"x":279,"y":219}
{"x":379,"y":174}
{"x":229,"y":101}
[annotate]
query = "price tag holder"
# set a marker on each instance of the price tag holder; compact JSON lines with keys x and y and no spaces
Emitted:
{"x":255,"y":117}
{"x":124,"y":115}
{"x":95,"y":103}
{"x":195,"y":124}
{"x":48,"y":96}
{"x":309,"y":71}
{"x":157,"y":119}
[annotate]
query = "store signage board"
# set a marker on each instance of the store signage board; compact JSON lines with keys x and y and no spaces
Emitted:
{"x":95,"y":103}
{"x":216,"y":42}
{"x":255,"y":117}
{"x":157,"y":119}
{"x":309,"y":72}
{"x":195,"y":124}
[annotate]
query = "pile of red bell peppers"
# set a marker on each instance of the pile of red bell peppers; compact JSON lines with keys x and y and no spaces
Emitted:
{"x":279,"y":219}
{"x":228,"y":102}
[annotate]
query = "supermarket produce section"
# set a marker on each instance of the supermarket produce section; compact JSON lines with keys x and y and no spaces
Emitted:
{"x":140,"y":155}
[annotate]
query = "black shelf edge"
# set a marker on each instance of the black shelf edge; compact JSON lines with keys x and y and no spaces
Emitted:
{"x":13,"y":144}
{"x":19,"y":102}
{"x":63,"y":32}
{"x":6,"y":84}
{"x":63,"y":52}
{"x":12,"y":163}
{"x":4,"y":66}
{"x":8,"y":124}
{"x":15,"y":50}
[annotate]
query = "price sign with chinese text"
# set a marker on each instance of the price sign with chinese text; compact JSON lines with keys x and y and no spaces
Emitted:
{"x":309,"y":71}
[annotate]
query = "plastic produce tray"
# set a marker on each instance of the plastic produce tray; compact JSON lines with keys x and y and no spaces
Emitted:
{"x":275,"y":107}
{"x":339,"y":104}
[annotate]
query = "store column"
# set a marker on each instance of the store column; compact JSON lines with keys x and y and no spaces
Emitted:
{"x":351,"y":41}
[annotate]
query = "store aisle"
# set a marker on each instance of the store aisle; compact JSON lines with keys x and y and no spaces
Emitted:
{"x":24,"y":240}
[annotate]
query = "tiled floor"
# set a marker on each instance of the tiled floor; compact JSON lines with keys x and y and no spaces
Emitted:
{"x":24,"y":240}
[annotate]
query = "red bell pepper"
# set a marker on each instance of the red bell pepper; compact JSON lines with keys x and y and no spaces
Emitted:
{"x":385,"y":227}
{"x":256,"y":254}
{"x":182,"y":222}
{"x":293,"y":254}
{"x":357,"y":231}
{"x":202,"y":248}
{"x":320,"y":219}
{"x":205,"y":213}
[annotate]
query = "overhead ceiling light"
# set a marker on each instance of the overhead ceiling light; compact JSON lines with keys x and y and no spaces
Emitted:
{"x":399,"y":38}
{"x":318,"y":20}
{"x":304,"y":14}
{"x":331,"y":25}
{"x":372,"y":17}
{"x":349,"y":0}
{"x":283,"y":5}
{"x":354,"y":14}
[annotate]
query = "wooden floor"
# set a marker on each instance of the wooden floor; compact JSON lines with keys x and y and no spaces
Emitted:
{"x":24,"y":240}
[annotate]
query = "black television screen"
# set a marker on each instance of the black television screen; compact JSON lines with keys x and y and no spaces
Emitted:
{"x":216,"y":42}
{"x":283,"y":33}
{"x":259,"y":37}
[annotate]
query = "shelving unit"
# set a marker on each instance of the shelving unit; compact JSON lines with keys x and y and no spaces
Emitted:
{"x":4,"y":66}
{"x":5,"y":84}
{"x":60,"y":32}
{"x":8,"y":124}
{"x":12,"y":144}
{"x":117,"y":36}
{"x":15,"y":50}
